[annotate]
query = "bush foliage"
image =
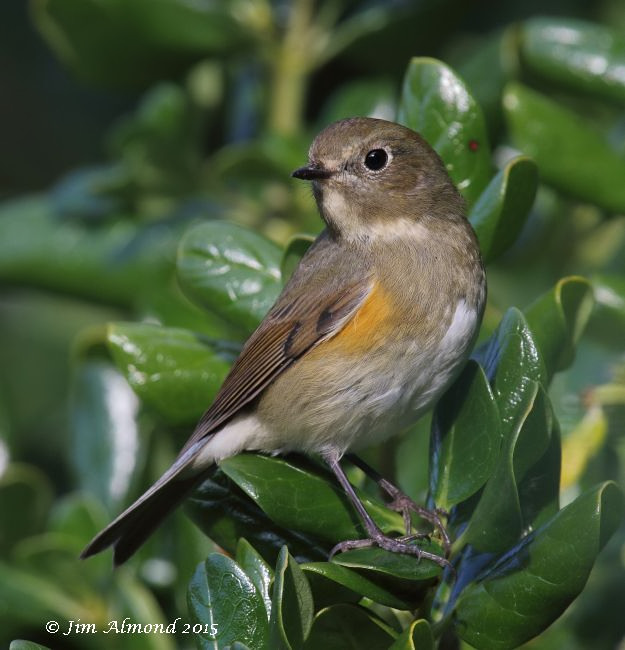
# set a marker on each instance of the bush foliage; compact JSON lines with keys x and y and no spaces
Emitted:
{"x":157,"y":265}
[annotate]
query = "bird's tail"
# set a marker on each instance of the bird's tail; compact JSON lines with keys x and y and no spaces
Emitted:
{"x":133,"y":526}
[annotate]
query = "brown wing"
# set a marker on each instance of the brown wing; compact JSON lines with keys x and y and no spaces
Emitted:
{"x":292,"y":327}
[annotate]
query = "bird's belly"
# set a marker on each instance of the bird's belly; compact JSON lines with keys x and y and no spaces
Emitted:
{"x":341,"y":401}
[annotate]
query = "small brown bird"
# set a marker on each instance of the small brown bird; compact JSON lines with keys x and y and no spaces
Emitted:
{"x":375,"y":322}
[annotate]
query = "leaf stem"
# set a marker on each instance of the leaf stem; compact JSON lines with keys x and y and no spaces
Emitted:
{"x":291,"y":64}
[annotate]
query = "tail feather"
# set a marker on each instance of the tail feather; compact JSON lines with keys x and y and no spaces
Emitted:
{"x":132,"y":528}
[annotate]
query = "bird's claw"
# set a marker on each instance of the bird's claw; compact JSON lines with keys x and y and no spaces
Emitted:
{"x":393,"y":545}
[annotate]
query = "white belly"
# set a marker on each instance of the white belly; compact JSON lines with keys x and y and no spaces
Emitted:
{"x":358,"y":404}
{"x":355,"y":404}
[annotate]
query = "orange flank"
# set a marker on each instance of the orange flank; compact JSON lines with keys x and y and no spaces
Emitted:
{"x":370,"y":324}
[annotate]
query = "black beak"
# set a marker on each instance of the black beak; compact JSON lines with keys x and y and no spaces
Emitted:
{"x":312,"y":173}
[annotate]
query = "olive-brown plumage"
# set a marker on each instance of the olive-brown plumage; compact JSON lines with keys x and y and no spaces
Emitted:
{"x":374,"y":324}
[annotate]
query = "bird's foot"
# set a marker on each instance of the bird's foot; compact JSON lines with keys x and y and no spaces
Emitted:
{"x":392,"y":544}
{"x":405,"y":505}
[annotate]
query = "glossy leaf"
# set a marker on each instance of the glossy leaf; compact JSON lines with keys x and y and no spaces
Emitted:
{"x":257,"y":570}
{"x":534,"y":583}
{"x":465,"y":439}
{"x":332,"y":583}
{"x":20,"y":644}
{"x":417,"y":636}
{"x":499,"y":213}
{"x":412,"y":458}
{"x":297,"y":498}
{"x":537,"y":461}
{"x":582,"y":55}
{"x":157,"y":148}
{"x":374,"y":561}
{"x":437,"y":103}
{"x":34,"y":598}
{"x":372,"y":98}
{"x":230,"y":270}
{"x":609,"y":319}
{"x":497,"y":53}
{"x":116,"y":262}
{"x":173,"y":370}
{"x":525,"y":483}
{"x":571,"y":156}
{"x":117,"y":44}
{"x":136,"y":602}
{"x":221,"y":593}
{"x":25,"y":499}
{"x":347,"y":627}
{"x":225,"y":514}
{"x":512,"y":362}
{"x":105,"y":436}
{"x":557,"y":320}
{"x":291,"y":605}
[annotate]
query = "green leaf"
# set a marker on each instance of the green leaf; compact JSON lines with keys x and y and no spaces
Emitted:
{"x":528,"y":588}
{"x":512,"y":362}
{"x":257,"y":570}
{"x":581,"y":55}
{"x":29,"y":598}
{"x":417,"y":636}
{"x":299,"y":499}
{"x":230,"y":270}
{"x":347,"y":627}
{"x":536,"y":463}
{"x":20,"y":644}
{"x":366,"y":98}
{"x":500,"y":212}
{"x":408,"y":578}
{"x":332,"y":583}
{"x":497,"y":53}
{"x":77,"y":515}
{"x":436,"y":103}
{"x":608,"y":321}
{"x":524,"y":485}
{"x":104,"y":431}
{"x":292,"y":605}
{"x":557,"y":320}
{"x":225,"y":514}
{"x":173,"y":370}
{"x":135,"y":601}
{"x":412,"y":459}
{"x":465,"y":439}
{"x":375,"y":560}
{"x":25,"y":499}
{"x":571,"y":156}
{"x":117,"y":261}
{"x":220,"y":593}
{"x":158,"y":148}
{"x":293,"y":253}
{"x":117,"y":44}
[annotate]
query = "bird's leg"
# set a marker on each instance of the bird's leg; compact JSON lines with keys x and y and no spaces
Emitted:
{"x":404,"y":504}
{"x":376,"y":536}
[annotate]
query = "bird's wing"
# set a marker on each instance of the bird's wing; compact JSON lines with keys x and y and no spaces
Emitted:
{"x":297,"y":322}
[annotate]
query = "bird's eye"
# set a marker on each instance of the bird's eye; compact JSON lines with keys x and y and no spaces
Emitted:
{"x":376,"y":159}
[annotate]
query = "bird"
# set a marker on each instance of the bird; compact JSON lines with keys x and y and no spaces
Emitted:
{"x":375,"y":322}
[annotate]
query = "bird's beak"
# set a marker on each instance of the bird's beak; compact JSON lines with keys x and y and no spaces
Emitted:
{"x":311,"y":173}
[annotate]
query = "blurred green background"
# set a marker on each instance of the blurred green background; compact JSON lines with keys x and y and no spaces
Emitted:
{"x":123,"y":123}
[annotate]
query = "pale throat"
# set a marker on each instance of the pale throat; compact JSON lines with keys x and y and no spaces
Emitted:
{"x":342,"y":214}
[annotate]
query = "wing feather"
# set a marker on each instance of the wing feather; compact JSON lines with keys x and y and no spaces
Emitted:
{"x":292,"y":327}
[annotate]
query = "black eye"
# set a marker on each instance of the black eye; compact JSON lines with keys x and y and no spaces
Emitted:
{"x":376,"y":159}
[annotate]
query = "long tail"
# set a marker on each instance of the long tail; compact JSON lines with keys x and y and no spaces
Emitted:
{"x":133,"y":526}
